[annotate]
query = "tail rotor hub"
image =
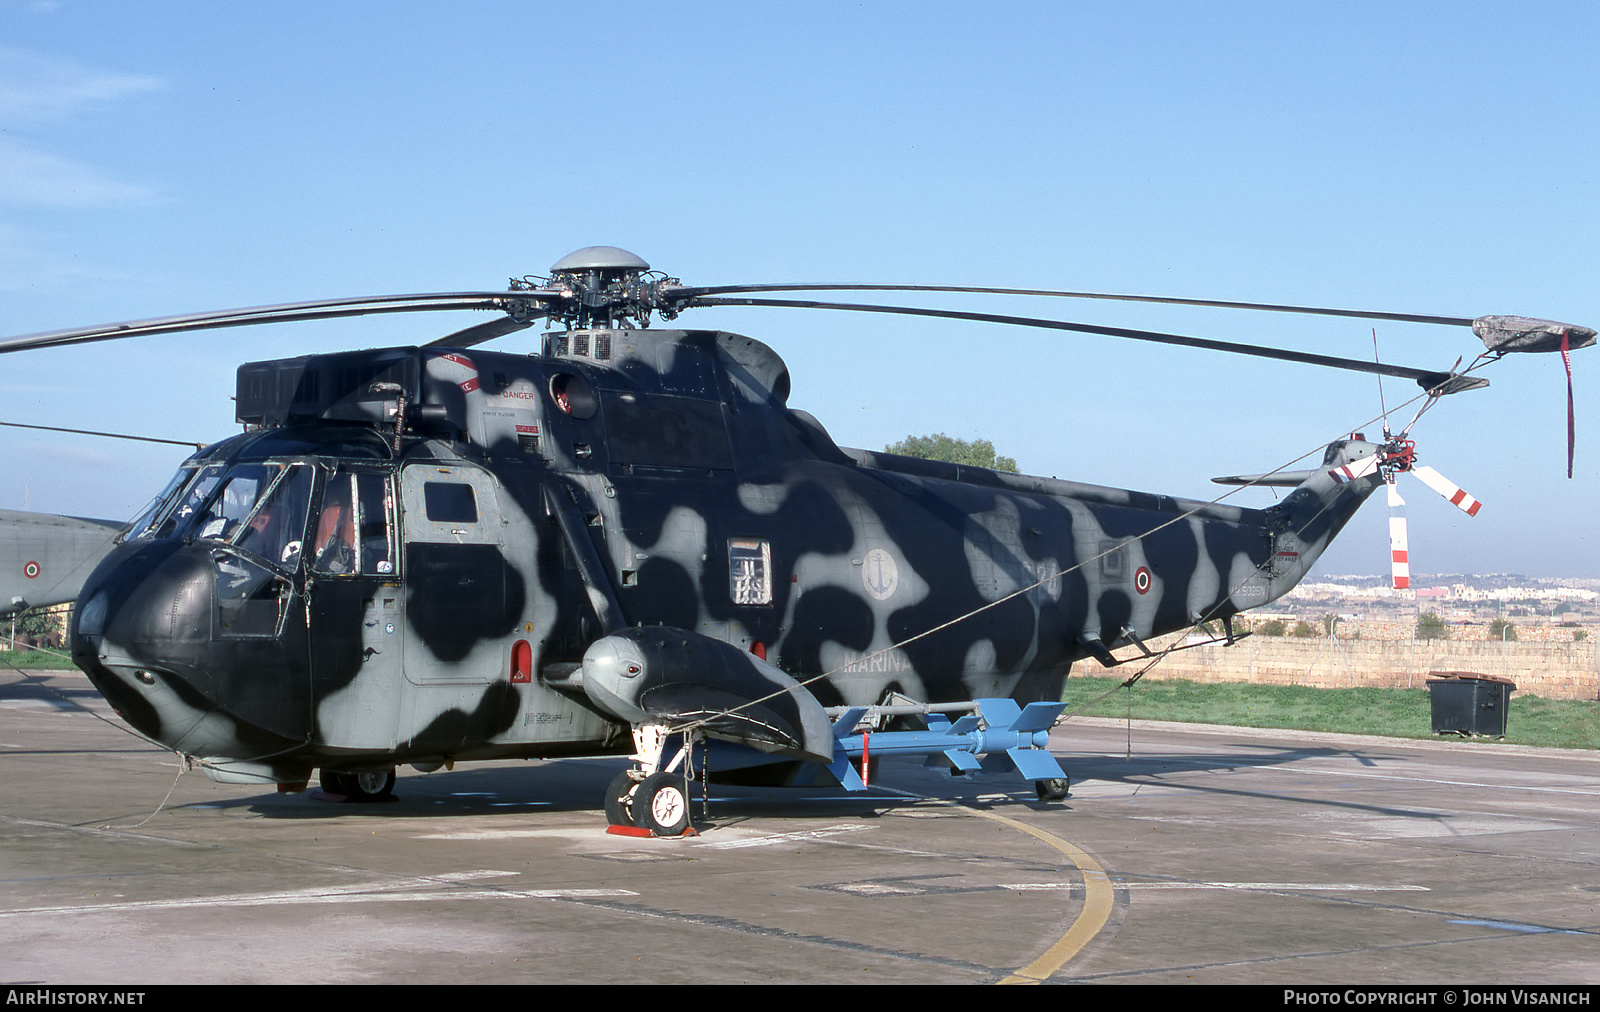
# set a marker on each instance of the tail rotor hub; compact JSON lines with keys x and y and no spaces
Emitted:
{"x":1399,"y":455}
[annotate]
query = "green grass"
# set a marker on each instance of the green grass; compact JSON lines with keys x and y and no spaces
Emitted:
{"x":1394,"y":713}
{"x":34,"y":659}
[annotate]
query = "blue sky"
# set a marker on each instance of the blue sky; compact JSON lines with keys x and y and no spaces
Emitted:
{"x":1433,"y":158}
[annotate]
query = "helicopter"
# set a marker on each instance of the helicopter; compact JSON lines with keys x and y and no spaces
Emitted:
{"x":629,"y":543}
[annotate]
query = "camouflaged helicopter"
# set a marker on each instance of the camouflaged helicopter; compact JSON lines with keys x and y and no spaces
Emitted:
{"x":630,"y":544}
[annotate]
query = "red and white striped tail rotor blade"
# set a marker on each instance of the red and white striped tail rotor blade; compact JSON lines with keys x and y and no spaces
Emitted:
{"x":1399,"y":554}
{"x":1447,"y":488}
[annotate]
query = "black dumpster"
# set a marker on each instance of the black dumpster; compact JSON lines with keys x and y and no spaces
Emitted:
{"x":1465,"y":702}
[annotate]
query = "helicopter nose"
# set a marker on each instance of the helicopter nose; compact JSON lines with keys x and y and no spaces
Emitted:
{"x":145,"y":636}
{"x":142,"y":601}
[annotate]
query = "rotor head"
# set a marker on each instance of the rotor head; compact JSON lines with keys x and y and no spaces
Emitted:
{"x":601,"y":287}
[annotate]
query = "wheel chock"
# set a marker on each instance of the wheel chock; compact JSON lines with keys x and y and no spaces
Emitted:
{"x":640,"y":831}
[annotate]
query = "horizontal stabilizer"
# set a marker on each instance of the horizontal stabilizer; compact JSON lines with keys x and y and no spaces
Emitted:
{"x":1278,"y":479}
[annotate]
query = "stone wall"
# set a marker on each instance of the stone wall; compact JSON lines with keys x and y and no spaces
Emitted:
{"x":1557,"y":669}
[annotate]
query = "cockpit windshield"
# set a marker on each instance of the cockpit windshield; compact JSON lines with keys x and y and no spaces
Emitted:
{"x":235,"y":501}
{"x":189,"y":489}
{"x":261,"y":508}
{"x":144,"y":525}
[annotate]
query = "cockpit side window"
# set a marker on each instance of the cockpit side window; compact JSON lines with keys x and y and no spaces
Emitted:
{"x":376,"y":502}
{"x":278,"y":525}
{"x":334,"y":545}
{"x":354,"y":532}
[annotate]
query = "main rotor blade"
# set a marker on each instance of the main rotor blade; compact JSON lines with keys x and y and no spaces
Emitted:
{"x":696,"y":293}
{"x":108,"y":435}
{"x":479,"y":333}
{"x":1427,"y":379}
{"x":322,"y":309}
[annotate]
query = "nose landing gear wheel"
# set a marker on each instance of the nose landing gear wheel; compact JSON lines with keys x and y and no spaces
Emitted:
{"x":370,"y":785}
{"x":661,"y":805}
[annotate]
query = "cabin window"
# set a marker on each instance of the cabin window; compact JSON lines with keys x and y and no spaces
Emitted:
{"x":449,"y":502}
{"x":750,"y":571}
{"x":573,"y":395}
{"x":662,"y":430}
{"x":1113,"y":560}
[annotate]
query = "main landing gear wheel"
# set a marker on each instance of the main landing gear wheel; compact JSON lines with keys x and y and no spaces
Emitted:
{"x":619,"y":811}
{"x":369,"y":785}
{"x":661,"y":805}
{"x":1054,"y":789}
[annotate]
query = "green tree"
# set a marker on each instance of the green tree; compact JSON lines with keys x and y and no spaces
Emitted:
{"x":42,"y":625}
{"x":1272,"y":627}
{"x":974,"y":453}
{"x":1431,"y":627}
{"x":1304,"y":630}
{"x":1500,"y":629}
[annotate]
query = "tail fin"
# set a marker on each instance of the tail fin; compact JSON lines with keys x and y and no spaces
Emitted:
{"x":1302,"y":526}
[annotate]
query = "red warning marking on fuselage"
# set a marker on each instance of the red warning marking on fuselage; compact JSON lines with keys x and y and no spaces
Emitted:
{"x":466,"y":385}
{"x":1141,"y":580}
{"x":30,"y":569}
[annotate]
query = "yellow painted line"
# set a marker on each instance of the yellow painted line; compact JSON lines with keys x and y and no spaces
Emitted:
{"x":1098,"y":900}
{"x":1099,"y":897}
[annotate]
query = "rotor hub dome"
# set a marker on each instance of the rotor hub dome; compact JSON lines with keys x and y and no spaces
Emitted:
{"x":599,"y":258}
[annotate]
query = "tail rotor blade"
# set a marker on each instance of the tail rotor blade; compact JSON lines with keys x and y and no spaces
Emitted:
{"x":1399,"y":553}
{"x":1447,"y":488}
{"x":1572,"y":429}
